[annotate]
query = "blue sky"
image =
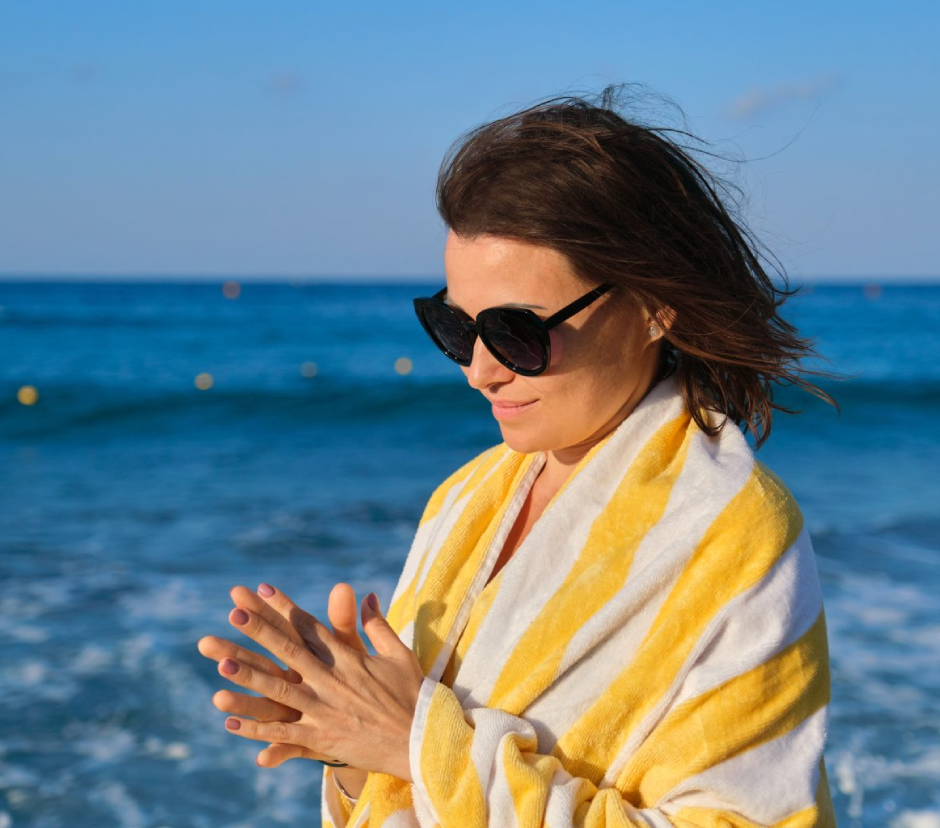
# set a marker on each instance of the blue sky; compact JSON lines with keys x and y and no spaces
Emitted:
{"x":303,"y":139}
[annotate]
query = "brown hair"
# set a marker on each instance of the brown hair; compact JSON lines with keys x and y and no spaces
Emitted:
{"x":627,"y":204}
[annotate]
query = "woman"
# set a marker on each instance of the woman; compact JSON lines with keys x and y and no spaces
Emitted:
{"x":613,"y":617}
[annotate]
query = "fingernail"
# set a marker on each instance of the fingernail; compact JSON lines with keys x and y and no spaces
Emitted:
{"x":232,"y":724}
{"x":265,"y":590}
{"x":239,"y":616}
{"x":228,"y":666}
{"x":373,"y":601}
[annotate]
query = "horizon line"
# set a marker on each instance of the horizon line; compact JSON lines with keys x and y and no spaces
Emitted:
{"x":273,"y":279}
{"x":862,"y":281}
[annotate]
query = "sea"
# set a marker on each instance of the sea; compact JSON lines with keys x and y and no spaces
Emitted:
{"x":162,"y":442}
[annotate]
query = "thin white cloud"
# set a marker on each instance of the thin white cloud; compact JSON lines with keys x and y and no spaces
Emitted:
{"x":761,"y":101}
{"x":285,"y":84}
{"x":87,"y":72}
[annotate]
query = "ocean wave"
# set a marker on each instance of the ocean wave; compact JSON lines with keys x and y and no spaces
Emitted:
{"x":32,"y":321}
{"x":907,"y":393}
{"x":72,"y":410}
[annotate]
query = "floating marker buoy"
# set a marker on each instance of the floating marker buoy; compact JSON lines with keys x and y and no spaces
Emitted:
{"x":403,"y":365}
{"x":27,"y":395}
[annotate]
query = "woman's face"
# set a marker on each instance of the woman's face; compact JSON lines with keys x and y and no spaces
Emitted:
{"x":603,"y":358}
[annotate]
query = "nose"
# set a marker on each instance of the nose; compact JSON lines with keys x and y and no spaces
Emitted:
{"x":484,"y":369}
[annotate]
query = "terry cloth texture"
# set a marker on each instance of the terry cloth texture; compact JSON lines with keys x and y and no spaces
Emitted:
{"x":653,"y":654}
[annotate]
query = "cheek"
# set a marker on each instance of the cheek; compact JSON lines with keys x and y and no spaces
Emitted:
{"x":558,"y":346}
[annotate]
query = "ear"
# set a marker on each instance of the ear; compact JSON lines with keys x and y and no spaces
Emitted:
{"x":664,"y":317}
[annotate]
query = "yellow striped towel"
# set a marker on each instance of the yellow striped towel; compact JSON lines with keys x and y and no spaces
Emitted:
{"x":653,"y":654}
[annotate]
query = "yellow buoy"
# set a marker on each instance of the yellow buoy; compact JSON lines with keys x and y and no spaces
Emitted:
{"x":203,"y":381}
{"x":27,"y":395}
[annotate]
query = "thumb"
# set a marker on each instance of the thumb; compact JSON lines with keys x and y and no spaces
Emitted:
{"x":383,"y":637}
{"x":342,"y":614}
{"x":277,"y":754}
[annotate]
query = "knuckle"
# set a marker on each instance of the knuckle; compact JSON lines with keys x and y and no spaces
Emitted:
{"x":282,"y":692}
{"x":279,"y":731}
{"x":292,"y":650}
{"x":282,"y":603}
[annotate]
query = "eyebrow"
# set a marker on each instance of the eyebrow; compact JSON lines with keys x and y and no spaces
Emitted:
{"x":504,"y":305}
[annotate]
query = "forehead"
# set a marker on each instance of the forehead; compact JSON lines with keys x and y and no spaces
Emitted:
{"x":483,"y":271}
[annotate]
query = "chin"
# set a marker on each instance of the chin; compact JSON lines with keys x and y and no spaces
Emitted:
{"x":522,"y":441}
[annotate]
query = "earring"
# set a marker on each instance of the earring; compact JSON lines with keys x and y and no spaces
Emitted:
{"x":654,"y":331}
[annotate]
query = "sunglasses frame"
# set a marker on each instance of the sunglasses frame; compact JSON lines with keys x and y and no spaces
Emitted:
{"x":475,"y":327}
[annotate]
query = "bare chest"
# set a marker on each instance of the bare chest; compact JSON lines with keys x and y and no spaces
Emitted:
{"x":533,"y":507}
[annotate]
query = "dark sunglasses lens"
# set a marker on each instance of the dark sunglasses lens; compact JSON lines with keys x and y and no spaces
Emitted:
{"x":514,"y":338}
{"x":447,"y":331}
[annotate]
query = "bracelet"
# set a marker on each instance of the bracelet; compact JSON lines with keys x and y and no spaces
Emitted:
{"x":334,"y":764}
{"x":343,"y":791}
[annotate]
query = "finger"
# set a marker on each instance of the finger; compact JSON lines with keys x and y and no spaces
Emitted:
{"x":257,"y":707}
{"x":244,"y":597}
{"x":341,"y":611}
{"x":274,"y":732}
{"x":289,"y":737}
{"x":317,"y":636}
{"x":219,"y":648}
{"x":383,"y":637}
{"x":274,"y":755}
{"x":298,"y":696}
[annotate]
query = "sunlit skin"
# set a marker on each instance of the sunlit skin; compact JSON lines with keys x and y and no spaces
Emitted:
{"x":360,"y":708}
{"x":336,"y":701}
{"x":603,"y":358}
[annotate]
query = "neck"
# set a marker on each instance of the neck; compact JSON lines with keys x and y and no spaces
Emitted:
{"x":559,"y":463}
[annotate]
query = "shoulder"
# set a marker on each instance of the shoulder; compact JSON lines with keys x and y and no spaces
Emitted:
{"x":753,"y":506}
{"x":767,"y":497}
{"x":774,"y":494}
{"x":759,"y":524}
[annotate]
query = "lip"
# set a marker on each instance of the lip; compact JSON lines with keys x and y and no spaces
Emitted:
{"x":509,"y":411}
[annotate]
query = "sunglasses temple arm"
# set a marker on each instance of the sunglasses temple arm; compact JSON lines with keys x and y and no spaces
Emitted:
{"x":576,"y":306}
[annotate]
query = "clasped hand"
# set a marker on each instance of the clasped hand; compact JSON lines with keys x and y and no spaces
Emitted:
{"x":334,"y":701}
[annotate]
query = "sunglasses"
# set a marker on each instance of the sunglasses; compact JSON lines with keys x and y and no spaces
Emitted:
{"x":515,"y":336}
